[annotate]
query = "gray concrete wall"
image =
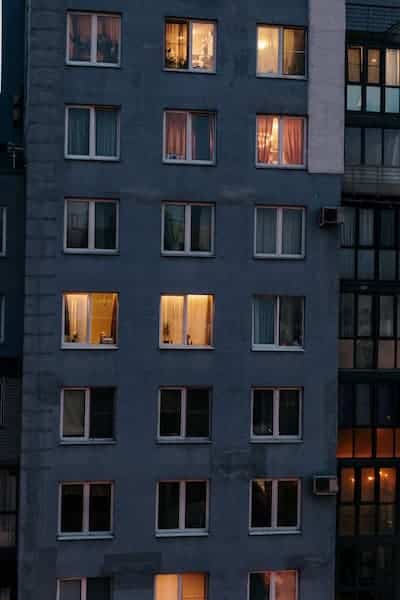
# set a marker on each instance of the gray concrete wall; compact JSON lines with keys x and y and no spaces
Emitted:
{"x":140,"y":275}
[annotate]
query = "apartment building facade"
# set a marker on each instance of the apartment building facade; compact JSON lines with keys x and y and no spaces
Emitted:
{"x":180,"y":344}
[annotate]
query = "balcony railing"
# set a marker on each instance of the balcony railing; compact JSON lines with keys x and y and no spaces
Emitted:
{"x":363,"y":179}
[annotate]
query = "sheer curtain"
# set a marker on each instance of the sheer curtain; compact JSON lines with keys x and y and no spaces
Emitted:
{"x":203,"y":46}
{"x":79,"y":37}
{"x":108,"y":36}
{"x":267,"y":50}
{"x":106,"y":132}
{"x":74,"y":413}
{"x":199,"y":319}
{"x":76,"y":318}
{"x":175,"y":131}
{"x":78,"y":131}
{"x":103,"y":318}
{"x":172,"y":319}
{"x":264,"y":317}
{"x":392,"y":67}
{"x":193,"y":586}
{"x":176,"y":45}
{"x":292,"y":227}
{"x":285,"y":585}
{"x":266,"y":230}
{"x":293,"y":141}
{"x":174,"y":227}
{"x":78,"y":224}
{"x":267,"y":140}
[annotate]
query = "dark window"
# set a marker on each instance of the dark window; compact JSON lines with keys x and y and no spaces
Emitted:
{"x":352,"y":150}
{"x":168,"y":505}
{"x":71,"y":508}
{"x":97,"y":588}
{"x":100,"y":507}
{"x":86,"y":508}
{"x":182,"y":505}
{"x":274,"y":504}
{"x":8,"y":508}
{"x":276,"y":413}
{"x":102,"y":413}
{"x":88,"y":413}
{"x":188,"y":228}
{"x":195,"y":507}
{"x":185,"y":413}
{"x":91,"y":225}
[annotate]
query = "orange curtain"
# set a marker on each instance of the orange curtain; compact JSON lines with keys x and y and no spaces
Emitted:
{"x":175,"y":136}
{"x":293,"y":141}
{"x":265,"y":141}
{"x":80,"y":36}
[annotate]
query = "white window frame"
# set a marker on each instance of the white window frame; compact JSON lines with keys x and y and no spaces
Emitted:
{"x":272,"y":595}
{"x":180,"y":586}
{"x":275,"y":345}
{"x":3,"y":211}
{"x":188,"y":160}
{"x":85,"y":533}
{"x":279,"y":232}
{"x":280,"y":164}
{"x":182,"y":531}
{"x":93,"y":40}
{"x":188,"y":229}
{"x":276,"y":437}
{"x":86,"y":437}
{"x":274,"y":529}
{"x":185,"y":324}
{"x":86,"y":346}
{"x":92,"y":133}
{"x":190,"y":23}
{"x":91,"y":226}
{"x":280,"y":74}
{"x":183,"y":437}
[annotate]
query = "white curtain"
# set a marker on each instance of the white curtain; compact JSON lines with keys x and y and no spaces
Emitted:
{"x":392,"y":67}
{"x":172,"y":319}
{"x":267,"y":50}
{"x":266,"y":230}
{"x":106,"y":132}
{"x":292,"y":225}
{"x":264,"y":317}
{"x":199,"y":317}
{"x":76,"y":318}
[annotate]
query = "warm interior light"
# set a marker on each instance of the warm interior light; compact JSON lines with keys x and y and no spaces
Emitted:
{"x":262,"y":44}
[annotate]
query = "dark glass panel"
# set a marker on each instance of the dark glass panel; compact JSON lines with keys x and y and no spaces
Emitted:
{"x":198,"y":413}
{"x":71,"y":508}
{"x":105,"y":237}
{"x":201,"y":228}
{"x":77,"y":224}
{"x":168,"y":505}
{"x":170,"y":413}
{"x":263,"y":412}
{"x":196,"y":505}
{"x":287,"y":503}
{"x":261,"y":503}
{"x":289,"y":412}
{"x":100,"y":507}
{"x":102,"y":413}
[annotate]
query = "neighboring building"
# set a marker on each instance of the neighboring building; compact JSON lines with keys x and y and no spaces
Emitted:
{"x":11,"y":282}
{"x":180,"y":346}
{"x":368,"y":546}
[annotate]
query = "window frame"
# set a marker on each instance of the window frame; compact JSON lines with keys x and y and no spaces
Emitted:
{"x":83,"y":581}
{"x":85,"y":533}
{"x":189,"y":22}
{"x":91,"y":249}
{"x":188,"y":147}
{"x":163,"y":346}
{"x":180,"y":583}
{"x":85,"y":439}
{"x":279,"y":232}
{"x":182,"y":531}
{"x":183,"y":438}
{"x":280,"y":164}
{"x":188,"y":229}
{"x":276,"y":437}
{"x":93,"y":40}
{"x":280,"y":74}
{"x":274,"y":529}
{"x":92,"y":133}
{"x":276,"y":346}
{"x":272,"y":595}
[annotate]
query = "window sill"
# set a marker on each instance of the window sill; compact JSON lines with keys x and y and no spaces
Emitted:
{"x":72,"y":63}
{"x":191,"y":71}
{"x":86,"y":442}
{"x":279,"y":256}
{"x":282,"y":440}
{"x":275,"y":532}
{"x":184,"y":441}
{"x":193,"y":163}
{"x":83,"y":537}
{"x":281,"y":76}
{"x":188,"y":254}
{"x":161,"y":534}
{"x":280,"y":166}
{"x":183,"y":347}
{"x":93,"y":158}
{"x":73,"y":346}
{"x":256,"y":348}
{"x":91,"y":251}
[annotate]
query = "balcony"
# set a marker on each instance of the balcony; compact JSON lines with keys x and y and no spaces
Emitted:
{"x":377,"y":181}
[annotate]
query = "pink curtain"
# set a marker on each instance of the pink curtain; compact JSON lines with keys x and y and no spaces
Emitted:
{"x":108,"y":36}
{"x":175,"y":147}
{"x":265,"y":141}
{"x":293,"y":141}
{"x":79,"y":37}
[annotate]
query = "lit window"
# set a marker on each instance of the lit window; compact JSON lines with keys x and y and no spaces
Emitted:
{"x":92,"y":132}
{"x":84,"y":588}
{"x":87,"y":414}
{"x":392,"y":91}
{"x":90,"y":320}
{"x":184,"y":414}
{"x":91,"y":225}
{"x":275,"y":505}
{"x":190,"y":45}
{"x":276,"y":414}
{"x":85,"y":509}
{"x":186,"y":321}
{"x":273,"y":585}
{"x":279,"y":232}
{"x":93,"y":39}
{"x":281,"y":51}
{"x":189,"y":137}
{"x":278,"y":322}
{"x":280,"y":141}
{"x":188,"y":229}
{"x":182,"y":506}
{"x":186,"y":586}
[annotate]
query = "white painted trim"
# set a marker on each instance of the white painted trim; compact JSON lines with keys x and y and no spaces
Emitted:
{"x":274,"y":508}
{"x":93,"y":41}
{"x":276,"y":437}
{"x":183,"y":438}
{"x":181,"y":530}
{"x":276,"y":346}
{"x":279,"y":232}
{"x":188,"y":230}
{"x":189,"y":23}
{"x":92,"y":133}
{"x":87,"y":346}
{"x":85,"y":533}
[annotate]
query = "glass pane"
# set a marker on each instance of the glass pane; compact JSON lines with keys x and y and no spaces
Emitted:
{"x":386,"y":316}
{"x":345,"y":405}
{"x":289,"y":412}
{"x":392,"y":104}
{"x":266,"y":230}
{"x":362,"y":405}
{"x":78,"y":224}
{"x":386,"y":403}
{"x":345,"y":443}
{"x":199,"y":320}
{"x":70,"y":589}
{"x":294,"y":61}
{"x":292,"y":231}
{"x":290,"y":321}
{"x":346,"y":523}
{"x":287,"y":504}
{"x":102,"y":413}
{"x":105,"y":235}
{"x":80,"y":29}
{"x":202,"y":141}
{"x":176,"y":45}
{"x":174,"y":227}
{"x":347,"y":560}
{"x":104,"y":318}
{"x":267,"y":50}
{"x":387,"y":519}
{"x":71,"y":508}
{"x":195,"y":510}
{"x":347,"y":264}
{"x":260,"y":586}
{"x":387,"y":225}
{"x":168,"y":505}
{"x":354,"y":64}
{"x":285,"y":585}
{"x":100,"y":507}
{"x":203,"y":43}
{"x":386,"y":354}
{"x":346,"y":354}
{"x":347,"y":315}
{"x":193,"y":586}
{"x":76,"y":318}
{"x":170,"y":413}
{"x":175,"y":135}
{"x":373,"y":151}
{"x":387,"y":485}
{"x":364,"y":324}
{"x":384,"y":443}
{"x":366,"y":264}
{"x":367,"y":485}
{"x":373,"y":99}
{"x":348,"y":228}
{"x":354,"y":97}
{"x":366,"y":227}
{"x":98,"y":588}
{"x":172,"y":319}
{"x":74,"y":413}
{"x":387,"y":265}
{"x":263,"y":320}
{"x":352,"y":146}
{"x":293,"y":141}
{"x":267,"y":140}
{"x":367,"y":520}
{"x":106,"y":132}
{"x":166,"y":587}
{"x":201,"y":228}
{"x":364,"y":354}
{"x":363,"y":443}
{"x":263,"y":412}
{"x":367,"y":568}
{"x":197,"y":413}
{"x":347,"y":485}
{"x":392,"y":67}
{"x":261,"y":503}
{"x":392,"y":146}
{"x":108,"y":39}
{"x":78,"y":131}
{"x":374,"y":66}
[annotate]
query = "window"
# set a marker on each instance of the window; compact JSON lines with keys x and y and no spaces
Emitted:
{"x":85,"y":509}
{"x":187,"y":229}
{"x":190,"y":45}
{"x":93,"y":39}
{"x":182,"y":507}
{"x":392,"y":89}
{"x":278,"y":322}
{"x":90,"y":320}
{"x":91,"y":225}
{"x":87,"y":414}
{"x":184,"y":414}
{"x":189,"y":136}
{"x":279,"y":231}
{"x":84,"y":588}
{"x":281,"y":51}
{"x":8,"y":508}
{"x":372,"y":147}
{"x":186,"y":586}
{"x":280,"y":141}
{"x":92,"y":132}
{"x":275,"y":506}
{"x":186,"y":321}
{"x":276,"y":414}
{"x":2,"y":317}
{"x":367,"y":568}
{"x":3,"y":230}
{"x":273,"y":585}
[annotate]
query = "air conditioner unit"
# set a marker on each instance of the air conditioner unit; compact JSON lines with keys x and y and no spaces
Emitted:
{"x":330,"y":216}
{"x":325,"y":485}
